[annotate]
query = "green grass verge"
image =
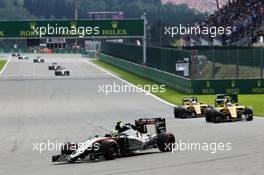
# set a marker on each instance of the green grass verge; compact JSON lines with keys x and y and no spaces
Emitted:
{"x":175,"y":97}
{"x":2,"y":64}
{"x":225,"y":71}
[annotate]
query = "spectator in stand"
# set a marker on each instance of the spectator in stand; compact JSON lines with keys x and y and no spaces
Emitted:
{"x":243,"y":16}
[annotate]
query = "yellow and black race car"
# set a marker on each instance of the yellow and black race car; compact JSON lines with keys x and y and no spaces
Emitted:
{"x":227,"y":109}
{"x":191,"y":108}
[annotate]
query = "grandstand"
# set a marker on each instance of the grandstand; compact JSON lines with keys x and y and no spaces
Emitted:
{"x":246,"y":19}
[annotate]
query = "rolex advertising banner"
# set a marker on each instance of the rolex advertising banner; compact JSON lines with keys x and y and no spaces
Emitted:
{"x":73,"y":29}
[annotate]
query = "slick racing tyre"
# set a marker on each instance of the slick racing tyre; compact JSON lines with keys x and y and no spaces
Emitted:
{"x":165,"y":142}
{"x":177,"y":112}
{"x":184,"y":114}
{"x":109,"y":149}
{"x":215,"y":117}
{"x":208,"y":115}
{"x":68,"y":148}
{"x":249,"y":114}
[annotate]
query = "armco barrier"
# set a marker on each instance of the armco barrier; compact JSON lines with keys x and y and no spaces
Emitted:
{"x":244,"y":86}
{"x":161,"y":77}
{"x":163,"y":59}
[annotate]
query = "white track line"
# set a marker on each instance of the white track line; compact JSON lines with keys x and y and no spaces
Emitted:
{"x":113,"y":75}
{"x":4,"y":67}
{"x":154,"y":96}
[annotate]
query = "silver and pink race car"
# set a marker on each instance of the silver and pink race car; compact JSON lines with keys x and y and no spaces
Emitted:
{"x":121,"y":141}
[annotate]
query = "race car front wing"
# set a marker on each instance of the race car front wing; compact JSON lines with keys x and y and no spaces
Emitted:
{"x":60,"y":158}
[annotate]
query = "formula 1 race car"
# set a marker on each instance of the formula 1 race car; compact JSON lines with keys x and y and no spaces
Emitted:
{"x":190,"y":109}
{"x":16,"y":55}
{"x":122,"y":141}
{"x":61,"y":71}
{"x":227,"y":109}
{"x":22,"y":57}
{"x":38,"y":60}
{"x":54,"y":66}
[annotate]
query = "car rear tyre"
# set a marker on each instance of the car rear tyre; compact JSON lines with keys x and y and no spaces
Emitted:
{"x":165,"y":142}
{"x":109,"y":149}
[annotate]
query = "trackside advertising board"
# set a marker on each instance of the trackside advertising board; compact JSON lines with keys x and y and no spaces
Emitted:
{"x":73,"y":29}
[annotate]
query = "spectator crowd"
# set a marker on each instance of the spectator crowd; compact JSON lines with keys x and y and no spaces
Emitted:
{"x":243,"y":16}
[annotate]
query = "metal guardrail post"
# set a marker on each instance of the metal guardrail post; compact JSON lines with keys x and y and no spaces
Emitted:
{"x":237,"y":63}
{"x":214,"y":64}
{"x":145,"y":40}
{"x":193,"y":64}
{"x":261,"y":63}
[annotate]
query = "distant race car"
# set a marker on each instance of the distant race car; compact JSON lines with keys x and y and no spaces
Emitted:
{"x":227,"y":109}
{"x":16,"y":55}
{"x":191,"y":108}
{"x":38,"y":60}
{"x":22,"y":57}
{"x":54,"y":66}
{"x":61,"y":71}
{"x":121,"y":141}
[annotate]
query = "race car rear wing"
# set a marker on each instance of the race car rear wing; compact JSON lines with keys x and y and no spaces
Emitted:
{"x":220,"y":98}
{"x":160,"y":124}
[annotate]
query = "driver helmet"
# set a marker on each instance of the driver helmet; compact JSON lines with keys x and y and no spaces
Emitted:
{"x":114,"y":133}
{"x":228,"y":103}
{"x":119,"y":126}
{"x":193,"y":101}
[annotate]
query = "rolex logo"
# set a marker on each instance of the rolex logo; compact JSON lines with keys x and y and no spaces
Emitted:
{"x":259,"y":83}
{"x":233,"y":84}
{"x":208,"y":84}
{"x":73,"y":24}
{"x":32,"y":25}
{"x":114,"y":24}
{"x":190,"y":84}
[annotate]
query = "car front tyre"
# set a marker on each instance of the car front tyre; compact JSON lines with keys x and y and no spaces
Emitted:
{"x":215,"y":117}
{"x":109,"y":149}
{"x":208,"y":115}
{"x":249,"y":114}
{"x":177,"y":112}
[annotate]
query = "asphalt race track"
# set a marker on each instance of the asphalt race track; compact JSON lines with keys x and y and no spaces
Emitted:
{"x":36,"y":107}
